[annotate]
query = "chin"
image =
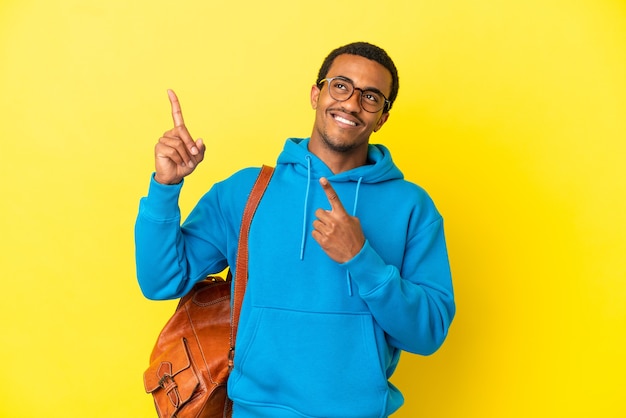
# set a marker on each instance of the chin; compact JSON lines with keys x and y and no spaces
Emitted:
{"x":338,"y":146}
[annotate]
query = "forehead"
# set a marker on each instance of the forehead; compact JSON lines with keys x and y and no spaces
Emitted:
{"x":365,"y":73}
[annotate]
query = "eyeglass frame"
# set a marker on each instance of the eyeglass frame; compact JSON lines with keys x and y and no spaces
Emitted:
{"x":328,"y":80}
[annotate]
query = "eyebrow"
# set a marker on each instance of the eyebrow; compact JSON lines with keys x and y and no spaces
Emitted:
{"x":374,"y":89}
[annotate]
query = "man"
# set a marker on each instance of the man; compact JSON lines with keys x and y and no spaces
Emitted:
{"x":347,"y":260}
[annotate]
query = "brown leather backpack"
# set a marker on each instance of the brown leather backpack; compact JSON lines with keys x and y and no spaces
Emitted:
{"x":192,"y":358}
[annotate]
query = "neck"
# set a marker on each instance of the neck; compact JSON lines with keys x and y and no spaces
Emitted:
{"x":339,"y":160}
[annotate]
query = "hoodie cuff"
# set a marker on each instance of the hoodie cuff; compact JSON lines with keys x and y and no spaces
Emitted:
{"x":162,"y":200}
{"x":368,"y":270}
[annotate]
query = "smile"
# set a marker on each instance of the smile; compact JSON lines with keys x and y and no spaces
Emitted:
{"x":344,"y":120}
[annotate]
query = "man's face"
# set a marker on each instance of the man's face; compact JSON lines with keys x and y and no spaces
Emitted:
{"x":345,"y":126}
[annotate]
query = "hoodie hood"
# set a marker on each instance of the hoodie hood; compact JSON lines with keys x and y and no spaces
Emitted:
{"x":380,"y":166}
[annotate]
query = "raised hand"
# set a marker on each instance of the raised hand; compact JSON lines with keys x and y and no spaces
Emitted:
{"x":339,"y":234}
{"x":176,"y":154}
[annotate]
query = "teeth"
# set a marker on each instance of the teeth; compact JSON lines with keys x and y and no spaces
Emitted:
{"x":346,"y":121}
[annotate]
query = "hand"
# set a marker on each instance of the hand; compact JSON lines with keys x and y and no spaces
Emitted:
{"x":176,"y":154}
{"x":339,"y":234}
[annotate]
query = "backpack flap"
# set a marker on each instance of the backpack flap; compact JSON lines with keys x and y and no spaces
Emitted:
{"x":171,"y":379}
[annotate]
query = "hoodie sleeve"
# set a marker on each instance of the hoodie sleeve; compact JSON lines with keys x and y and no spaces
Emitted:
{"x":414,"y":308}
{"x":170,"y":259}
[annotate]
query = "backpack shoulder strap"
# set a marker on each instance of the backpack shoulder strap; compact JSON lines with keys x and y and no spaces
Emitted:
{"x":241,"y":272}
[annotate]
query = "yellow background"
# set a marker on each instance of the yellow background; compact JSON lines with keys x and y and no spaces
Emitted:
{"x":512,"y":114}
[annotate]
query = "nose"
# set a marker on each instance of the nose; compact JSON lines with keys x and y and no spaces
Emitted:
{"x":353,"y":103}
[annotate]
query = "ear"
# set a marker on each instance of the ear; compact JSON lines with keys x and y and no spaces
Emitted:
{"x":381,"y":121}
{"x":315,"y":95}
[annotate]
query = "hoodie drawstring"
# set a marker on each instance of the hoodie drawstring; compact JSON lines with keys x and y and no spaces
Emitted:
{"x":356,"y":201}
{"x":306,"y":203}
{"x":356,"y":196}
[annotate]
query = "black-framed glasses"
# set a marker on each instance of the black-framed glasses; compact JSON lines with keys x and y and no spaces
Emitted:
{"x":341,"y":89}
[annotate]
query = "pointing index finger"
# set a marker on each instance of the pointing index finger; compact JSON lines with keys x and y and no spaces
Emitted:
{"x":335,"y":203}
{"x":177,"y":113}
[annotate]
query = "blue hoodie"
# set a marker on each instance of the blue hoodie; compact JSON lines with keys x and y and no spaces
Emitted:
{"x":316,"y":338}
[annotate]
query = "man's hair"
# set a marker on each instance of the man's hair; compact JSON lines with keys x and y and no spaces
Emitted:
{"x":369,"y":51}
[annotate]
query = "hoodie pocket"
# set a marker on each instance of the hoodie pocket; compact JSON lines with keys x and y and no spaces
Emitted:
{"x":316,"y":364}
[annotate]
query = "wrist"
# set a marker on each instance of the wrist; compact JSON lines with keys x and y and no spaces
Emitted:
{"x":166,"y":181}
